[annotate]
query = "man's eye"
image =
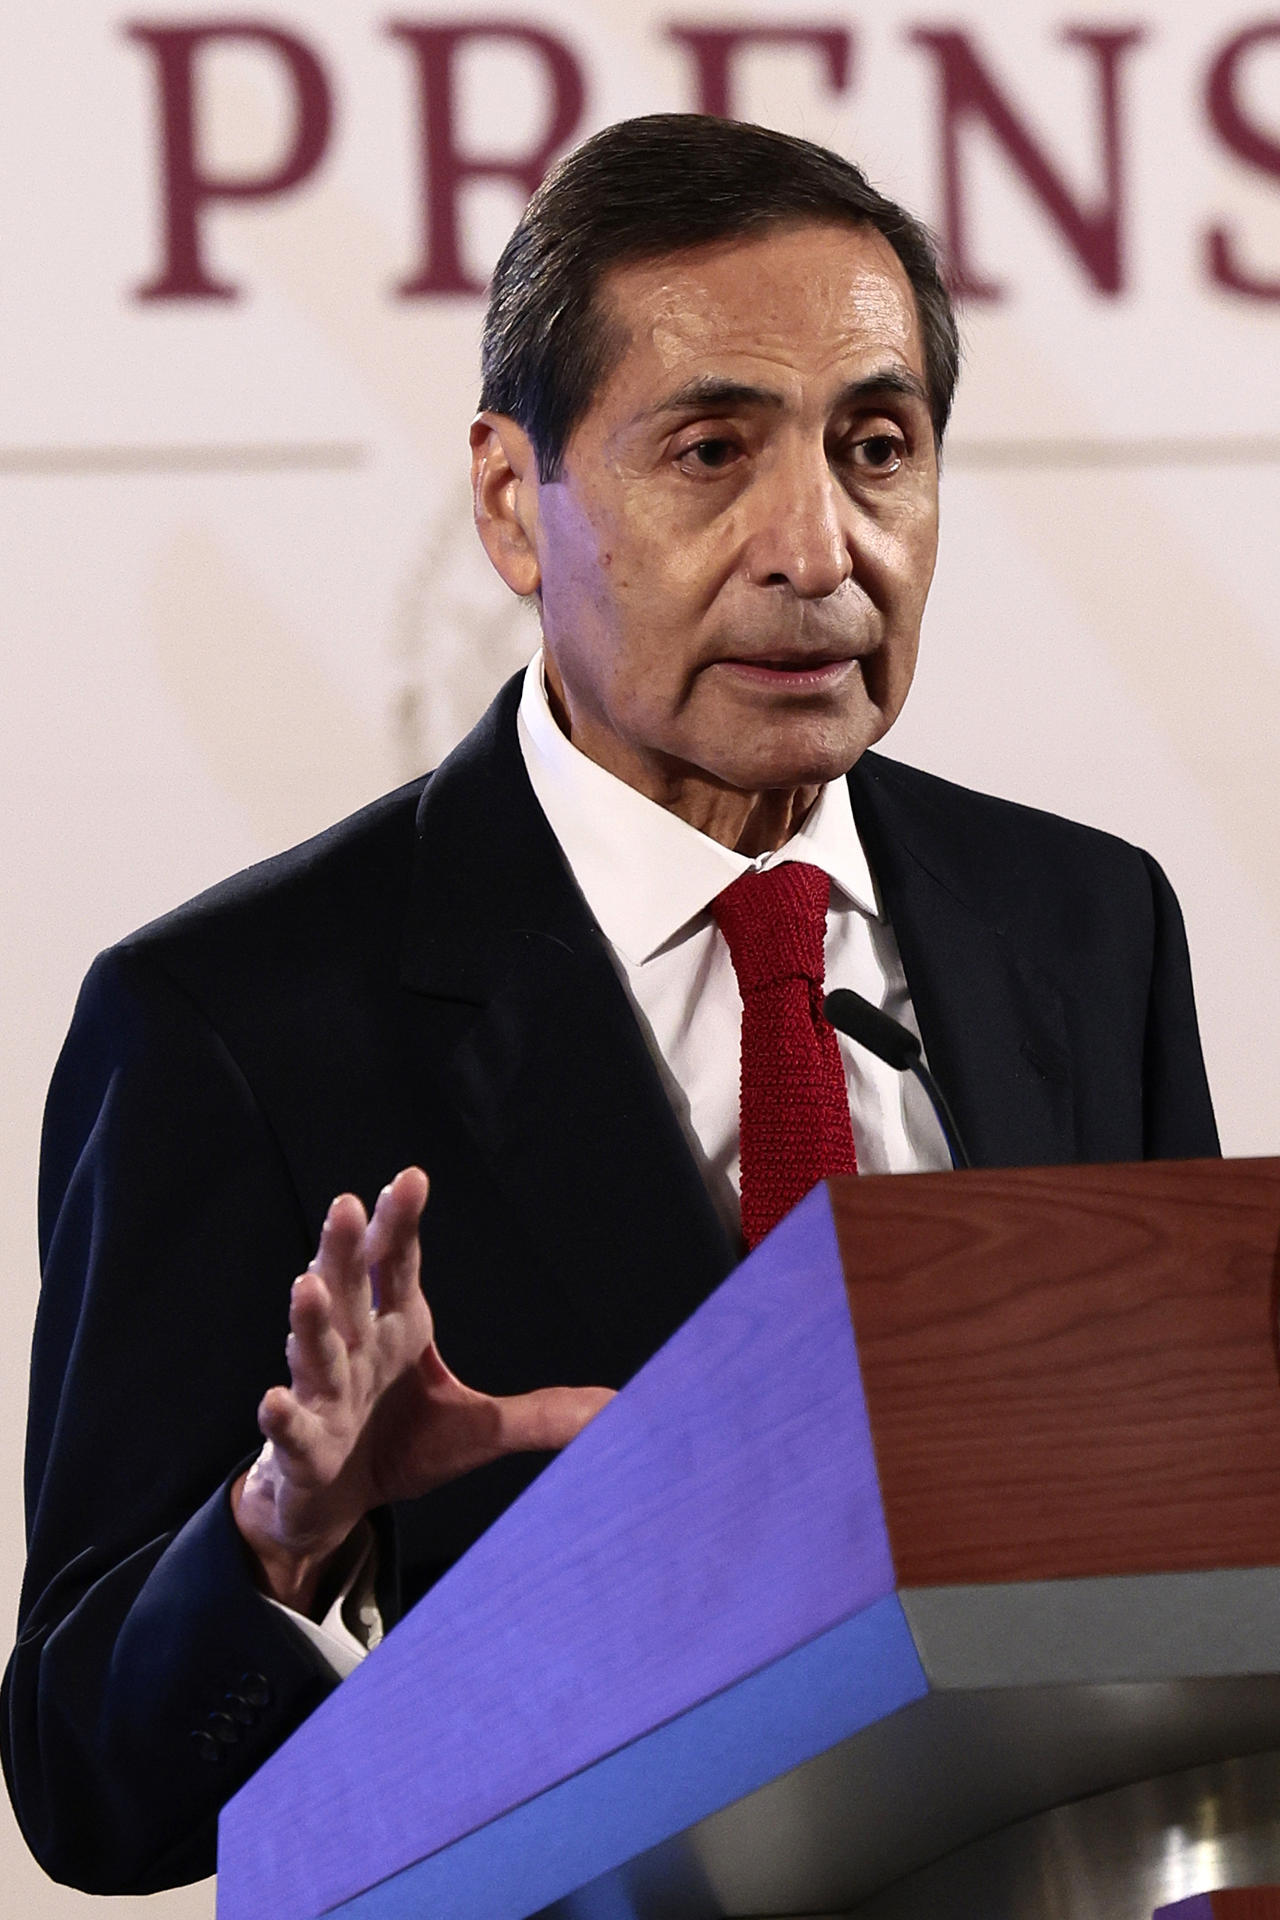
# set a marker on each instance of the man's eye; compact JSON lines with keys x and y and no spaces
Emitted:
{"x":708,"y":456}
{"x":878,"y":453}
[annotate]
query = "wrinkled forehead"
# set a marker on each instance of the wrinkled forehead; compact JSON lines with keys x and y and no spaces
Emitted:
{"x":814,"y":299}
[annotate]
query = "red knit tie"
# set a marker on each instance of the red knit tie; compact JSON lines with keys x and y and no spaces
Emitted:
{"x":795,"y":1106}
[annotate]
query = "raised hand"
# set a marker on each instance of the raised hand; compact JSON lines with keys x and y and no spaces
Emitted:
{"x":372,"y":1413}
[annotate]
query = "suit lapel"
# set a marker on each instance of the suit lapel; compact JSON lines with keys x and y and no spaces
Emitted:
{"x":530,"y":1035}
{"x":530,"y":1040}
{"x":992,"y":1022}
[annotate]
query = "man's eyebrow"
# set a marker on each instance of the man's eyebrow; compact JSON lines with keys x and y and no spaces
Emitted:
{"x":708,"y":394}
{"x":887,"y":380}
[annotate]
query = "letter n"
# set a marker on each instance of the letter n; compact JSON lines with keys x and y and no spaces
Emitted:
{"x":188,"y":189}
{"x":445,"y":167}
{"x":1094,"y":234}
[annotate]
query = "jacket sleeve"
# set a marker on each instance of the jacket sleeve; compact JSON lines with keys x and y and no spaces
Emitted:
{"x":150,"y":1676}
{"x":1178,"y":1122}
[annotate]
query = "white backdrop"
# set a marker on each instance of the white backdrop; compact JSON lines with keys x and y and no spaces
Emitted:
{"x":238,"y":591}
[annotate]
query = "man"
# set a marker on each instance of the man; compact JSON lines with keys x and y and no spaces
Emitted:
{"x":718,"y":369}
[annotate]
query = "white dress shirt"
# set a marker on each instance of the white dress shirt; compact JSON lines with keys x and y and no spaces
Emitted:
{"x":352,"y":1627}
{"x":648,"y":879}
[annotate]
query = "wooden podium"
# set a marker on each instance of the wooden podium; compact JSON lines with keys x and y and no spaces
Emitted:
{"x":932,"y":1568}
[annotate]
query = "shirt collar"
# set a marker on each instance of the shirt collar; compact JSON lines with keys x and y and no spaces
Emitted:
{"x":646,"y":874}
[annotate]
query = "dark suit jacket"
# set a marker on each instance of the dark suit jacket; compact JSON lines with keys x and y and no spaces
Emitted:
{"x":424,"y":984}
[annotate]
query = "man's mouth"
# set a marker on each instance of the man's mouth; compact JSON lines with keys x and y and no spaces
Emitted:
{"x":793,"y":670}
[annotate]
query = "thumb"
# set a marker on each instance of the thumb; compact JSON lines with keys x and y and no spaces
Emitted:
{"x":549,"y":1419}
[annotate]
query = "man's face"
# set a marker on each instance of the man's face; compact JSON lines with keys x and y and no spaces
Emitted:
{"x":734,"y":564}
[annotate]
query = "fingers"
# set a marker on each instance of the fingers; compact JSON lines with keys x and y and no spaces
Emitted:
{"x":341,"y":1264}
{"x":288,"y":1427}
{"x":549,"y":1419}
{"x":391,"y":1243}
{"x":308,"y":1486}
{"x":317,"y":1354}
{"x":371,"y":1264}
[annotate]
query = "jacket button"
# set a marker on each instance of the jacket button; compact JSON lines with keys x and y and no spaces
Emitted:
{"x":254,"y":1689}
{"x":241,"y":1712}
{"x":224,"y":1729}
{"x":206,"y":1746}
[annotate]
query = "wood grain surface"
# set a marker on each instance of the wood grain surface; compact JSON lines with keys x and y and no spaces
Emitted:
{"x":1070,"y":1370}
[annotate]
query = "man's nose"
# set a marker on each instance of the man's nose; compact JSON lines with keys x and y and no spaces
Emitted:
{"x":802,"y":531}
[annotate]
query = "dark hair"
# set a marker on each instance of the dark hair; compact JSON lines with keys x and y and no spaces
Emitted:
{"x":658,"y":185}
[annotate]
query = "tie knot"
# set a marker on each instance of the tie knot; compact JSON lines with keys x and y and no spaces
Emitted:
{"x":775,"y":921}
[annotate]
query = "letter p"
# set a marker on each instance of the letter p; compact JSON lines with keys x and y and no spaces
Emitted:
{"x":188,"y":188}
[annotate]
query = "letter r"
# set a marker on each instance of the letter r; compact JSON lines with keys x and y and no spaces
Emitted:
{"x":445,"y":167}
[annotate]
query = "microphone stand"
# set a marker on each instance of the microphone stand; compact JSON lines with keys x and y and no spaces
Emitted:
{"x":891,"y":1042}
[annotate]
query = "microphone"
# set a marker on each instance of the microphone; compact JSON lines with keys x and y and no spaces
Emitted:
{"x":880,"y":1034}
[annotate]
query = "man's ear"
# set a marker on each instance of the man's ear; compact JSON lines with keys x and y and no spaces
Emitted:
{"x":504,"y":495}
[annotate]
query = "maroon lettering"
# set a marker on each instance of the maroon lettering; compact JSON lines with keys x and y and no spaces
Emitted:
{"x":1094,"y":234}
{"x":1257,"y":149}
{"x":445,"y":168}
{"x":713,"y":50}
{"x":187,"y":188}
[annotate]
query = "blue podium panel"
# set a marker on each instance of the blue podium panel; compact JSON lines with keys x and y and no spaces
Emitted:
{"x":857,"y":1673}
{"x":609,"y":1662}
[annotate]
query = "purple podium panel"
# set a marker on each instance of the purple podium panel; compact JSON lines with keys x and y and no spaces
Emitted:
{"x":718,"y":1517}
{"x":1228,"y":1903}
{"x":528,"y":1860}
